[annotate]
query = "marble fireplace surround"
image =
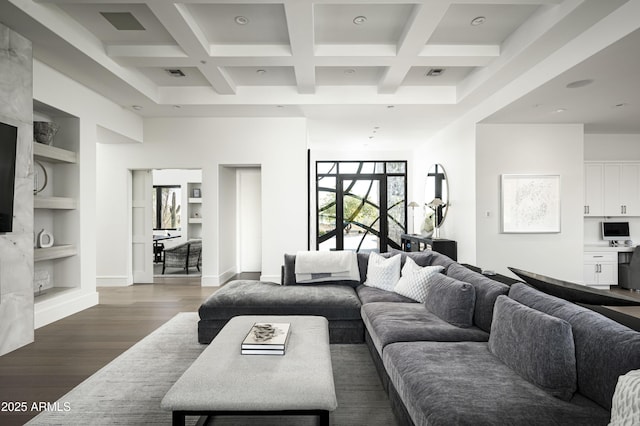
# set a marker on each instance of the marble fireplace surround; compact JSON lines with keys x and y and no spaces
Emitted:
{"x":16,"y":248}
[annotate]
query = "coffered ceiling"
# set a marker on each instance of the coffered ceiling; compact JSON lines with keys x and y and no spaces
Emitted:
{"x":407,"y":68}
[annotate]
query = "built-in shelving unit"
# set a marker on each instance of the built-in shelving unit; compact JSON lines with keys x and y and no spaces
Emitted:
{"x":56,"y":252}
{"x":194,"y":226}
{"x":56,"y":210}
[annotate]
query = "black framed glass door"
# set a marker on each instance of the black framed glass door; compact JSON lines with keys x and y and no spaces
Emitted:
{"x":361,"y":205}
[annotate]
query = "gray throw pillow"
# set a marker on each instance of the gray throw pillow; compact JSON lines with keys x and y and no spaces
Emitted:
{"x":451,"y":300}
{"x":537,"y":346}
{"x":422,"y":258}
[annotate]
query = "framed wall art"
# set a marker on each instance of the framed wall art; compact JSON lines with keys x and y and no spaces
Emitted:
{"x":530,"y":203}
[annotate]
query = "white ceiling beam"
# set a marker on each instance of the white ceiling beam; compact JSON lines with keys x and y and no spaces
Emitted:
{"x":324,"y":95}
{"x":353,"y":56}
{"x":254,"y":50}
{"x":146,"y":51}
{"x":189,"y":36}
{"x":423,"y":22}
{"x":301,"y":36}
{"x":458,"y":50}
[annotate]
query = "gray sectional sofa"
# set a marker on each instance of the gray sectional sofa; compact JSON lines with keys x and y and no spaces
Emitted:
{"x":477,"y":352}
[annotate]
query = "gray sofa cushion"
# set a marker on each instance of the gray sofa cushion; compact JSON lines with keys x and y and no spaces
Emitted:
{"x":605,"y":349}
{"x":535,"y":345}
{"x":422,"y":258}
{"x":389,"y":322}
{"x":334,"y":302}
{"x":451,"y":300}
{"x":371,"y":294}
{"x":443,"y":383}
{"x":487,"y":292}
{"x":442,"y":260}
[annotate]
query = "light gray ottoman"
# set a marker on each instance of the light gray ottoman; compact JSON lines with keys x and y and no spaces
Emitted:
{"x":224,"y":382}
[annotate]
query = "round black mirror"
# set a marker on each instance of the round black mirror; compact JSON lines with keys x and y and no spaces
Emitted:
{"x":436,"y":200}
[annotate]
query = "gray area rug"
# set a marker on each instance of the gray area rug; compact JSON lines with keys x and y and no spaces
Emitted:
{"x":128,"y":390}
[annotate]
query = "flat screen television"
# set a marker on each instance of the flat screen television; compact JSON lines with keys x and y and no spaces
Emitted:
{"x":8,"y":143}
{"x":615,"y":231}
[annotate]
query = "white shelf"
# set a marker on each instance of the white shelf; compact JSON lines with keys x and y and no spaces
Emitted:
{"x":61,"y":203}
{"x":195,"y":200}
{"x":195,"y":220}
{"x":52,"y":154}
{"x":55,"y":252}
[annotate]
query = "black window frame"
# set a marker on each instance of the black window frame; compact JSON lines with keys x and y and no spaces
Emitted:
{"x":158,"y":219}
{"x":382,"y":176}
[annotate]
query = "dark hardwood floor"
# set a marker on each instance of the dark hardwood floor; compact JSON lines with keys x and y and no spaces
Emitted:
{"x":70,"y":350}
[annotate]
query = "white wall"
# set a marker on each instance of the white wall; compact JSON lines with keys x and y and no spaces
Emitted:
{"x":612,"y":147}
{"x":455,"y":149}
{"x":277,"y":145}
{"x":249,"y":229}
{"x":227,"y":222}
{"x":530,"y":149}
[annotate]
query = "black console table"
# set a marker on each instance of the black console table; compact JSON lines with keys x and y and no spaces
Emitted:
{"x":418,"y":243}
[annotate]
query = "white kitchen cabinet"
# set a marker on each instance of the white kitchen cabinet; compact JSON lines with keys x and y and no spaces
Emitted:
{"x":622,"y":189}
{"x":593,"y":189}
{"x":600,"y":269}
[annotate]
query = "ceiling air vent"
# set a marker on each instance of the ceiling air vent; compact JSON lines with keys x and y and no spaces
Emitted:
{"x":175,"y":72}
{"x":123,"y":21}
{"x":435,"y":72}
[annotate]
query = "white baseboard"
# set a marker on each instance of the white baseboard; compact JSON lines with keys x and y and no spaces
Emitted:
{"x":217,"y":280}
{"x":56,"y":308}
{"x":113,"y":281}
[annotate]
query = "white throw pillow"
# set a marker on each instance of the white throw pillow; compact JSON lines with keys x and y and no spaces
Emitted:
{"x":625,"y":408}
{"x":414,"y":280}
{"x":383,"y":273}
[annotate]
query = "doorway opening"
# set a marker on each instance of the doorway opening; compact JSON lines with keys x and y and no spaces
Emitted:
{"x":167,"y":225}
{"x":240,"y":219}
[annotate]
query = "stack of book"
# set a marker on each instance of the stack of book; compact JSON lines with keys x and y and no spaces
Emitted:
{"x":266,"y":339}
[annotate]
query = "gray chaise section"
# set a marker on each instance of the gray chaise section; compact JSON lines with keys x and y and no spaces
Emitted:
{"x":338,"y":303}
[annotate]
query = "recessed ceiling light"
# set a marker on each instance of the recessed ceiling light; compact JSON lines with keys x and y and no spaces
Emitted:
{"x":261,"y":71}
{"x":177,"y":107}
{"x":136,"y":107}
{"x":376,"y":127}
{"x":579,"y":83}
{"x":621,"y":105}
{"x":478,"y":21}
{"x":350,"y":71}
{"x":559,"y":110}
{"x":390,"y":106}
{"x":203,"y":62}
{"x":434,"y":72}
{"x":359,"y":20}
{"x":241,"y":20}
{"x":371,"y":137}
{"x":279,"y":106}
